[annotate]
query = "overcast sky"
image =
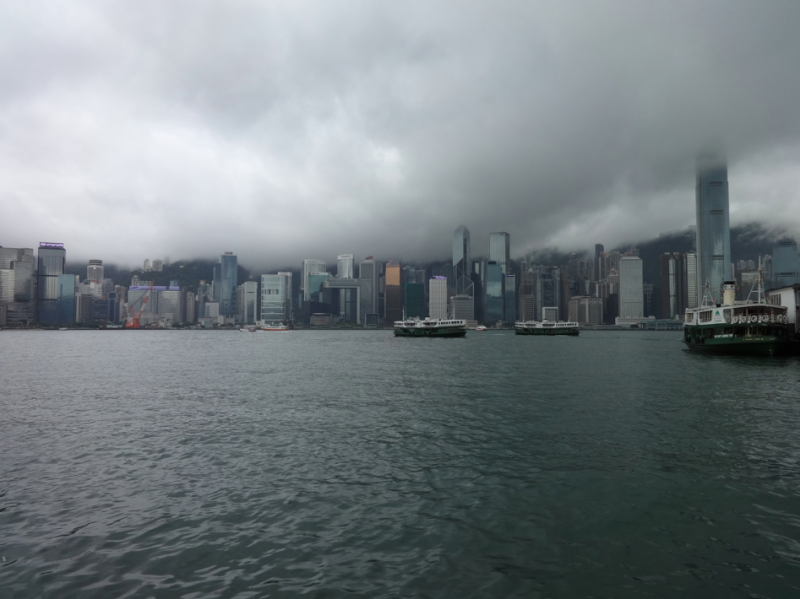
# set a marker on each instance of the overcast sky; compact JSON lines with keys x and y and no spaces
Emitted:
{"x":299,"y":129}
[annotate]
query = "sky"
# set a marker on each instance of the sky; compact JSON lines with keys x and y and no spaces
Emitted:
{"x":302,"y":129}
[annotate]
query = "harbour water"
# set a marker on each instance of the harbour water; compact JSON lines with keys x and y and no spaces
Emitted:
{"x":333,"y":464}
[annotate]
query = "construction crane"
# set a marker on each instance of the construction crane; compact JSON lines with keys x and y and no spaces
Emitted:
{"x":133,"y":316}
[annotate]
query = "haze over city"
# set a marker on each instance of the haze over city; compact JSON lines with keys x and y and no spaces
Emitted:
{"x":283,"y":131}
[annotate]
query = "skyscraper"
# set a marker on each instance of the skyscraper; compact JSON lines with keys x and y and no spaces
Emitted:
{"x":713,"y":225}
{"x":344,"y":267}
{"x":52,"y":257}
{"x":499,"y":250}
{"x":368,"y":275}
{"x":493,"y":306}
{"x":437,"y":301}
{"x":225,"y":281}
{"x":510,"y":298}
{"x":785,"y":262}
{"x":94,"y":272}
{"x":275,"y":298}
{"x":631,"y":293}
{"x":462,"y":274}
{"x":691,"y":280}
{"x":311,"y":267}
{"x":394,"y":292}
{"x":673,"y":285}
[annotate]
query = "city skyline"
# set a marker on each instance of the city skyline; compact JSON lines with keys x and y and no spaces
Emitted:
{"x":284,"y":129}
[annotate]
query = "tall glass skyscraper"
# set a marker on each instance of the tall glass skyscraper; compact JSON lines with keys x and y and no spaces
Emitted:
{"x":462,"y":274}
{"x":785,"y":262}
{"x":52,"y":257}
{"x":494,"y":293}
{"x":370,"y":283}
{"x":713,"y":225}
{"x":275,"y":298}
{"x":225,"y":282}
{"x":311,"y":267}
{"x":499,"y":250}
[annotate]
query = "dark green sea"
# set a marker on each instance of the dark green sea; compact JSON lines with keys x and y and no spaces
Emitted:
{"x":353,"y":464}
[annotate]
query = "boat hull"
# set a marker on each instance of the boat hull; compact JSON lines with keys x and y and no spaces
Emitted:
{"x":547,"y":332}
{"x":430,"y":332}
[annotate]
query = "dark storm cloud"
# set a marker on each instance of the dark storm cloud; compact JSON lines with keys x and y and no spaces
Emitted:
{"x":291,"y":130}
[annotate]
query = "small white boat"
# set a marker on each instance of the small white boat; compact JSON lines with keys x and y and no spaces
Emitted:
{"x":480,"y":328}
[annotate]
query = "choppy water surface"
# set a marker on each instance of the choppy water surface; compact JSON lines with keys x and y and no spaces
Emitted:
{"x":224,"y":464}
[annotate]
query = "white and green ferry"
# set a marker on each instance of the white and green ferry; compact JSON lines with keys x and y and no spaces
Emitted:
{"x":430,"y":327}
{"x":546,"y":328}
{"x":738,"y":327}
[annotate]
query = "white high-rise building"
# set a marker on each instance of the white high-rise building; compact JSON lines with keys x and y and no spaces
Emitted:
{"x":94,"y":272}
{"x":691,"y":280}
{"x":276,"y":293}
{"x":437,"y":302}
{"x":311,"y":267}
{"x":344,"y":267}
{"x":631,"y":291}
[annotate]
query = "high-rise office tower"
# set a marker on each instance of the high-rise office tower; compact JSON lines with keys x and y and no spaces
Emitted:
{"x":311,"y":267}
{"x":276,"y":293}
{"x":499,"y":250}
{"x":548,"y":290}
{"x":527,"y":296}
{"x":493,"y":305}
{"x":370,"y":284}
{"x":598,"y":265}
{"x":414,"y":300}
{"x":785,"y":262}
{"x":52,"y":257}
{"x":247,"y":302}
{"x":713,"y":225}
{"x":437,"y":301}
{"x":673,"y":285}
{"x":510,"y":298}
{"x":94,"y":272}
{"x":462,"y":275}
{"x":344,"y":267}
{"x":394,"y":292}
{"x":631,"y":293}
{"x":225,"y":282}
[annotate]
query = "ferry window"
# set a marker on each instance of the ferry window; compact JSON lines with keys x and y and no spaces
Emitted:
{"x":705,"y":316}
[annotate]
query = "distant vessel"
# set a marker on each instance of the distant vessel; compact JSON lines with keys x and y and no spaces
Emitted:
{"x":480,"y":328}
{"x":430,"y":327}
{"x":273,"y":327}
{"x":752,"y":327}
{"x":546,"y":327}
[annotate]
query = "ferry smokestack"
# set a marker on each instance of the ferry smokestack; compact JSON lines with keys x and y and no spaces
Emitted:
{"x":728,"y":293}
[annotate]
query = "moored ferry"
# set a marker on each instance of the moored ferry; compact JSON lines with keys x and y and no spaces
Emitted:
{"x":743,"y":327}
{"x":546,"y":327}
{"x":430,"y":327}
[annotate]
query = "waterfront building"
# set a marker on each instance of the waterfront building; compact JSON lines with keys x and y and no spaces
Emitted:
{"x":493,"y":304}
{"x":586,"y":310}
{"x":499,"y":250}
{"x":345,"y":298}
{"x":631,"y":300}
{"x":462,"y":306}
{"x":248,"y":302}
{"x":510,"y":298}
{"x":437,"y":303}
{"x":785,"y":263}
{"x":713,"y":225}
{"x":18,"y":285}
{"x":650,"y":299}
{"x":370,"y":284}
{"x":191,"y":307}
{"x":394,"y":292}
{"x":673,"y":285}
{"x":527,"y":296}
{"x":548,"y":289}
{"x":276,"y":292}
{"x":311,"y":267}
{"x":225,"y":283}
{"x":414,"y":300}
{"x":462,"y":271}
{"x":67,"y":288}
{"x":51,"y":260}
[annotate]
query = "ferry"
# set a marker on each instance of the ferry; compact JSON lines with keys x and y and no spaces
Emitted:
{"x":273,"y":327}
{"x":430,"y":327}
{"x":752,"y":327}
{"x":546,"y":327}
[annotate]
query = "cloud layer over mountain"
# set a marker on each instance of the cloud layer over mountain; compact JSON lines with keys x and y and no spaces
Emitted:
{"x":287,"y":130}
